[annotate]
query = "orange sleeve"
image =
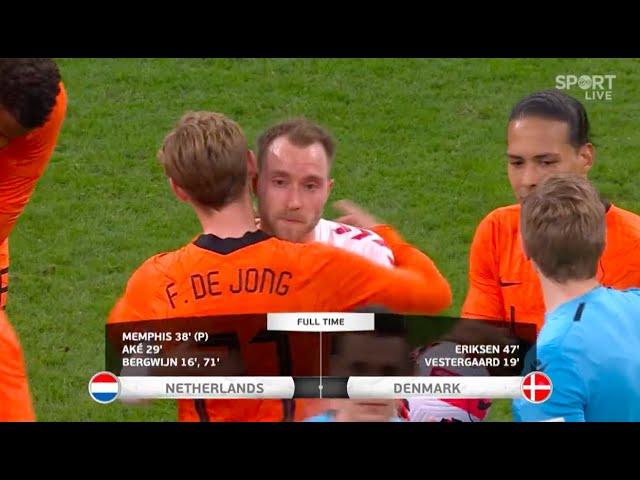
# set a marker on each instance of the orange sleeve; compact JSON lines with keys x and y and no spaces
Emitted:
{"x":621,"y":270}
{"x":632,"y":277}
{"x":23,"y":163}
{"x":15,"y":398}
{"x":414,"y":286}
{"x":627,"y":267}
{"x":484,"y":298}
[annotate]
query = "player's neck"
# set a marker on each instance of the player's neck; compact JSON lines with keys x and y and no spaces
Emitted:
{"x":555,"y":294}
{"x":232,"y":221}
{"x":310,"y":237}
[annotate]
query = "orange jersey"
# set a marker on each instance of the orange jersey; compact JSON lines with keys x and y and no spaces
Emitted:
{"x":23,"y":161}
{"x":503,"y":284}
{"x":4,"y":272}
{"x":15,"y":399}
{"x":259,"y":274}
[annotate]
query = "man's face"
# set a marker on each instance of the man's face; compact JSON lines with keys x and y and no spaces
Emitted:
{"x":364,"y":354}
{"x":293,"y":188}
{"x":9,"y":127}
{"x":537,"y":148}
{"x":365,"y":410}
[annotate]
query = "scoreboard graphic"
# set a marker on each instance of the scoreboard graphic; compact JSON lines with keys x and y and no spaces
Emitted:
{"x":357,"y":355}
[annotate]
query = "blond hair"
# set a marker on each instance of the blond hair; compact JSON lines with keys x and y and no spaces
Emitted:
{"x":206,"y":155}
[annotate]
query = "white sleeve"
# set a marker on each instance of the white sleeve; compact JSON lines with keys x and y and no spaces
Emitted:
{"x":360,"y":241}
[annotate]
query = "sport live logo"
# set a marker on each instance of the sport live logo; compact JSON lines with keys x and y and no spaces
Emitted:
{"x":595,"y":87}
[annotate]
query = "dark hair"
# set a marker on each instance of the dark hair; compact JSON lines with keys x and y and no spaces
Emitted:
{"x":299,"y":131}
{"x":555,"y":105}
{"x":28,"y":89}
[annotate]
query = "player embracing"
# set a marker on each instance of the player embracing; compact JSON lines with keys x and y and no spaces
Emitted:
{"x":293,"y":185}
{"x":209,"y":166}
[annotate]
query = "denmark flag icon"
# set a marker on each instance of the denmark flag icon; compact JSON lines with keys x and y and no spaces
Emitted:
{"x":536,"y":387}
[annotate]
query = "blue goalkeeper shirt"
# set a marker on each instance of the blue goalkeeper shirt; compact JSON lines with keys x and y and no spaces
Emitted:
{"x":590,"y":348}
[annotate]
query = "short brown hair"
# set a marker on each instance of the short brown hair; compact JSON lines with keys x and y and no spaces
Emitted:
{"x":206,"y":155}
{"x":299,"y":131}
{"x":563,"y":227}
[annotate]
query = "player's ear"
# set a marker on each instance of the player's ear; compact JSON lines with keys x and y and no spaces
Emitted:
{"x":330,"y":185}
{"x":252,"y":164}
{"x":587,"y":154}
{"x":178,"y":191}
{"x":252,"y":171}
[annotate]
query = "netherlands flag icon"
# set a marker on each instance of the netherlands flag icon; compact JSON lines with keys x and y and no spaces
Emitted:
{"x":104,"y":387}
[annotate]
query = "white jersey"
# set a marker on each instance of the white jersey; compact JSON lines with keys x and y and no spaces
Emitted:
{"x":436,"y":410}
{"x":357,"y":240}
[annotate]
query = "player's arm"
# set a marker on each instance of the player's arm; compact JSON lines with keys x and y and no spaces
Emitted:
{"x":30,"y":158}
{"x":15,"y":193}
{"x":378,"y":251}
{"x":414,"y":286}
{"x":15,"y":397}
{"x":484,"y":297}
{"x":569,"y":395}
